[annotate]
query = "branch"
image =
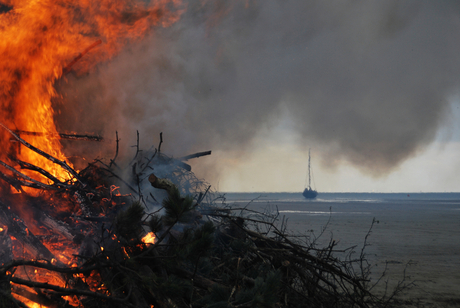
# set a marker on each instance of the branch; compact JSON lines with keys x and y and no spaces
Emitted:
{"x":25,"y":165}
{"x":65,"y":291}
{"x":48,"y":266}
{"x":62,"y":135}
{"x":38,"y":184}
{"x":18,"y":183}
{"x":161,"y":141}
{"x":68,"y":68}
{"x":187,"y":157}
{"x":63,"y":164}
{"x":137,"y":147}
{"x":112,"y":161}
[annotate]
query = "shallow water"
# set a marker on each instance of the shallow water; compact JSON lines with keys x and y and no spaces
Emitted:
{"x":420,"y":229}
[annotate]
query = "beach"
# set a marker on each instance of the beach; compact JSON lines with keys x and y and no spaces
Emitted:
{"x":416,"y":239}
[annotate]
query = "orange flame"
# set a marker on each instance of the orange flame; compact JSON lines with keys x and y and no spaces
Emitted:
{"x":149,"y":238}
{"x":39,"y":39}
{"x":42,"y":40}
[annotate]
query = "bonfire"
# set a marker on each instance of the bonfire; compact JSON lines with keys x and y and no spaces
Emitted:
{"x":141,"y":233}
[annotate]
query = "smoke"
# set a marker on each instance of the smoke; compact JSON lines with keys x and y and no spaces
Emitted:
{"x":367,"y":82}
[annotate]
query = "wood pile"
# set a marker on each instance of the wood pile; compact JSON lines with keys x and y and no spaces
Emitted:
{"x":83,"y":243}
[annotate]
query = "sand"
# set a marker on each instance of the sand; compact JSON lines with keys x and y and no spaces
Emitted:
{"x":422,"y":238}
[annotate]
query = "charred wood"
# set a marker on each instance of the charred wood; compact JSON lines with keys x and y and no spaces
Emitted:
{"x":19,"y":230}
{"x":28,"y":166}
{"x":196,"y":155}
{"x":61,"y":135}
{"x":29,"y":182}
{"x":6,"y":249}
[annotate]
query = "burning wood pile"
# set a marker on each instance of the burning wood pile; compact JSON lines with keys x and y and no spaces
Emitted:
{"x":103,"y":236}
{"x":100,"y":239}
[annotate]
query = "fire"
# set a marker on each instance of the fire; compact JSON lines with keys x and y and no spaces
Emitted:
{"x":149,"y":238}
{"x":41,"y":40}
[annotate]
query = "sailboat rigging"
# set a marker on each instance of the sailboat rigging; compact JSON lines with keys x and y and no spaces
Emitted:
{"x":309,"y":193}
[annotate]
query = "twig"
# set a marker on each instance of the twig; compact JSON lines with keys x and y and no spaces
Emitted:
{"x":149,"y":161}
{"x":61,"y":135}
{"x":107,"y":168}
{"x":137,"y":147}
{"x":161,"y":141}
{"x":112,"y":161}
{"x":187,"y":157}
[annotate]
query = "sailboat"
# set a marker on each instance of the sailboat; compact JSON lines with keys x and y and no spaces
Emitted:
{"x":309,"y":193}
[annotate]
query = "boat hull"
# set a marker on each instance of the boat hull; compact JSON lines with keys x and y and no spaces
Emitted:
{"x":310,"y":193}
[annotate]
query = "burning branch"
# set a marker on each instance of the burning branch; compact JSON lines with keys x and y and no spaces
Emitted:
{"x":63,"y":164}
{"x":19,"y":230}
{"x":25,"y":165}
{"x":68,"y":68}
{"x":62,"y":135}
{"x":32,"y":183}
{"x":198,"y":254}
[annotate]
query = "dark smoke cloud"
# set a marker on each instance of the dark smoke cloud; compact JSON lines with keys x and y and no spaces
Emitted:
{"x":368,"y":82}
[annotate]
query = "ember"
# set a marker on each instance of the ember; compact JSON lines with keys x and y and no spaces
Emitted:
{"x":149,"y":238}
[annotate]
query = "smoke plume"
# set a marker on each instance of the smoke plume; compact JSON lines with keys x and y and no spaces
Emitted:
{"x":368,"y":82}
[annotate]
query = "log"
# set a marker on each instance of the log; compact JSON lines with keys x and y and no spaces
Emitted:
{"x":57,"y":227}
{"x":162,"y":183}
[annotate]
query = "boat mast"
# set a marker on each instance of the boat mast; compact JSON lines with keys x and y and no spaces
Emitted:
{"x":309,"y":178}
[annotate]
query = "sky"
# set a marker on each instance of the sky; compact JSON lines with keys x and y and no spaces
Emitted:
{"x":371,"y":87}
{"x":282,"y":166}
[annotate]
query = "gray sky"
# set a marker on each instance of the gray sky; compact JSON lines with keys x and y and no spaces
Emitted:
{"x":370,"y":86}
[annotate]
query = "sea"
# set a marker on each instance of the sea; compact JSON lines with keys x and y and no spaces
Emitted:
{"x":392,"y":218}
{"x":342,"y":197}
{"x":417,"y":234}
